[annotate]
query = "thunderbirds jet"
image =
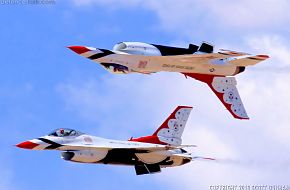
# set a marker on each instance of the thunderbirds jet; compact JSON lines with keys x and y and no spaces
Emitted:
{"x":148,"y":154}
{"x":198,"y":62}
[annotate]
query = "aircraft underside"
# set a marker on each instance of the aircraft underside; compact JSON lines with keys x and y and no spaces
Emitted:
{"x":124,"y":64}
{"x":130,"y":158}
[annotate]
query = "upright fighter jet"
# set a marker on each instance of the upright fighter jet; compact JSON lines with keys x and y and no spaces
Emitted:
{"x":198,"y":62}
{"x":147,"y":154}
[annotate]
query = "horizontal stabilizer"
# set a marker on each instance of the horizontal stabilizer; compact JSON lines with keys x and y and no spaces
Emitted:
{"x":232,"y":53}
{"x":203,"y":158}
{"x":248,"y":60}
{"x":181,"y":146}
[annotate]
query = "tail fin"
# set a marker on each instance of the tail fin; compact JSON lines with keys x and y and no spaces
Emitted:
{"x":226,"y":90}
{"x":169,"y":133}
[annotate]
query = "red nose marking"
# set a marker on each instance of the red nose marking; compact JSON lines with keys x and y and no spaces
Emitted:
{"x":79,"y":49}
{"x":27,"y":145}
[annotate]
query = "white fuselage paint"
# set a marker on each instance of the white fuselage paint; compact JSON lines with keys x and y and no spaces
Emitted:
{"x":146,"y":58}
{"x":150,"y":64}
{"x":91,"y":149}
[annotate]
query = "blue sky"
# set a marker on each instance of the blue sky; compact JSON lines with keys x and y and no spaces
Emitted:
{"x":44,"y":86}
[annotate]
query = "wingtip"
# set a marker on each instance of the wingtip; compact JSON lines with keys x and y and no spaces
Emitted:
{"x":207,"y":158}
{"x":263,"y":56}
{"x":203,"y":158}
{"x":184,"y":106}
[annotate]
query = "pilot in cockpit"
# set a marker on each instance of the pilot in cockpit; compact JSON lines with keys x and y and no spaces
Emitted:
{"x":64,"y":133}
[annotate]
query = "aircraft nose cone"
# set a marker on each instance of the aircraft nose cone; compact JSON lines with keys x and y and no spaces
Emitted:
{"x":27,"y":145}
{"x":79,"y":49}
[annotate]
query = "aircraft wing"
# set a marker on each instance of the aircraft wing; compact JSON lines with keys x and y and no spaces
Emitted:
{"x":142,"y":147}
{"x":223,"y":54}
{"x":220,"y":58}
{"x":225,"y":89}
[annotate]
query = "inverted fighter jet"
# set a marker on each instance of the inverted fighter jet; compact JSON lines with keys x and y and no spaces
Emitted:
{"x":198,"y":62}
{"x":148,"y":154}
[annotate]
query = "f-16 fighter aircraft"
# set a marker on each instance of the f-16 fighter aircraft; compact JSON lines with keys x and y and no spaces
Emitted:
{"x":198,"y":62}
{"x":148,"y":154}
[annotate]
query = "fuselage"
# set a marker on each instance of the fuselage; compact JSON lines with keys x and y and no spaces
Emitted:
{"x":138,"y":57}
{"x":149,"y":64}
{"x":83,"y":148}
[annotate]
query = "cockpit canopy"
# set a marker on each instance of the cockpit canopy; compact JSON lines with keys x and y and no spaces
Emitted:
{"x":64,"y":132}
{"x":120,"y":46}
{"x":137,"y":48}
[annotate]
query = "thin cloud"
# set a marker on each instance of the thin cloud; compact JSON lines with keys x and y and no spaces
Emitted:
{"x":188,"y":15}
{"x":249,"y":151}
{"x":276,"y":70}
